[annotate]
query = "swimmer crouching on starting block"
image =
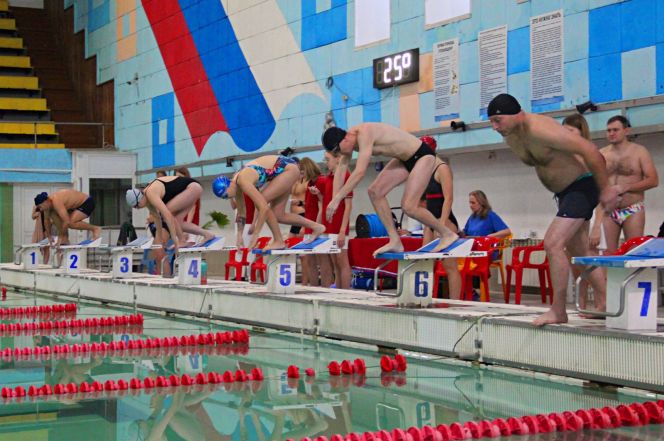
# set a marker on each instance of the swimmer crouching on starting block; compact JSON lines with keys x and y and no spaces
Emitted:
{"x":169,"y":199}
{"x":267,"y":181}
{"x":413,"y":163}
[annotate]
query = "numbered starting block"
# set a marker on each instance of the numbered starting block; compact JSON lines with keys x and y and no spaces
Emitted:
{"x":190,"y":259}
{"x":632,"y":286}
{"x":122,"y":257}
{"x":281,"y":264}
{"x":75,"y":257}
{"x":415,"y":270}
{"x":29,"y":255}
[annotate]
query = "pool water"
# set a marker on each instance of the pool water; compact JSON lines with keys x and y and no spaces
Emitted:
{"x":432,"y":391}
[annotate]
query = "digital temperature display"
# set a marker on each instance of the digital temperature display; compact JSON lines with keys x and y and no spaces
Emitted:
{"x":395,"y":69}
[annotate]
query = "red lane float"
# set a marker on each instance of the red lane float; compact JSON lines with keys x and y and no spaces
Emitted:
{"x":69,"y":309}
{"x":186,"y":344}
{"x":398,"y":363}
{"x":346,"y":367}
{"x":634,"y":414}
{"x":135,"y":384}
{"x":134,"y":320}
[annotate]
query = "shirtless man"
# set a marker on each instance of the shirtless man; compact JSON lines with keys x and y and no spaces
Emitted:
{"x":413,"y":163}
{"x":572,"y":168}
{"x":67,"y":209}
{"x":631,"y":170}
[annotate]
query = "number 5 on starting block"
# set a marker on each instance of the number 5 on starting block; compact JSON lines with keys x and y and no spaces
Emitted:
{"x":281,"y":275}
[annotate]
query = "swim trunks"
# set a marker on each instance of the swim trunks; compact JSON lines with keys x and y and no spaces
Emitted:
{"x":579,"y":199}
{"x":421,"y":152}
{"x":620,"y":215}
{"x":87,"y":207}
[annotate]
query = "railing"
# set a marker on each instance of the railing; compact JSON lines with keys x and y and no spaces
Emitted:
{"x":102,"y":130}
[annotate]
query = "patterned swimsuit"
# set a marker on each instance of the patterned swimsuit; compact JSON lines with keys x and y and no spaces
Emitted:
{"x":265,"y":175}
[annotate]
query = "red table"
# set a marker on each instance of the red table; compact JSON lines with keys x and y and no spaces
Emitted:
{"x":360,"y":251}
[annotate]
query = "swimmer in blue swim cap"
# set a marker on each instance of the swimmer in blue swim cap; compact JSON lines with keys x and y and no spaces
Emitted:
{"x":267,"y":181}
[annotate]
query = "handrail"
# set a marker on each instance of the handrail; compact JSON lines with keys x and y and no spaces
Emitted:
{"x":35,"y":124}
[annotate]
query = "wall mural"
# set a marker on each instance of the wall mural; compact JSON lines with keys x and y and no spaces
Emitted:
{"x":206,"y":79}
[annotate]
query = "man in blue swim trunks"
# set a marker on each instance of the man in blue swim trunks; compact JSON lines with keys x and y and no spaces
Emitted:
{"x":412,"y":164}
{"x":67,"y":209}
{"x":573,"y":169}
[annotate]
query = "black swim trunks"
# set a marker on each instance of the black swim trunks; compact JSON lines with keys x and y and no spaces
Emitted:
{"x":579,"y":199}
{"x":423,"y":151}
{"x":87,"y":207}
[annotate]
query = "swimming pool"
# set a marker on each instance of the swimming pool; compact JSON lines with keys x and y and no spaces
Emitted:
{"x":432,"y":391}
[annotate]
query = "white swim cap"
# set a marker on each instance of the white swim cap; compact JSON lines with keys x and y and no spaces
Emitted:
{"x":134,"y":197}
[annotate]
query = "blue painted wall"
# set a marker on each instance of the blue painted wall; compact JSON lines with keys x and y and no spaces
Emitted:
{"x":613,"y":50}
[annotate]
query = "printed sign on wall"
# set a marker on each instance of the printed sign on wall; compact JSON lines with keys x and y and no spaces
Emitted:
{"x":446,"y":79}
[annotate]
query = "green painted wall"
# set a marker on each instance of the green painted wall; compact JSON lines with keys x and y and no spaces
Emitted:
{"x":6,"y":223}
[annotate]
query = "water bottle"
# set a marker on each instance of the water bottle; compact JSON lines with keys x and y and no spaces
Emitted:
{"x":203,"y":273}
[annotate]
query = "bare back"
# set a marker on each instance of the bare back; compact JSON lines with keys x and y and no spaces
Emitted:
{"x":69,"y":198}
{"x":556,"y":168}
{"x":626,"y":165}
{"x":385,"y":140}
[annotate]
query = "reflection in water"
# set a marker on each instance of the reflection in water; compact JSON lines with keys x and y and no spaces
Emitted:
{"x":430,"y":393}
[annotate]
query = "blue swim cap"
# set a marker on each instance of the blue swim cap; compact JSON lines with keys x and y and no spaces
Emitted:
{"x":220,"y":186}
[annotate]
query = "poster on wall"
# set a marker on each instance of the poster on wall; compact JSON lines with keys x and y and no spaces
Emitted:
{"x":546,"y":59}
{"x":446,"y":79}
{"x":493,"y":65}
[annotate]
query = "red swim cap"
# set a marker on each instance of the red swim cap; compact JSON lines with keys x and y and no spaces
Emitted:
{"x":428,"y":140}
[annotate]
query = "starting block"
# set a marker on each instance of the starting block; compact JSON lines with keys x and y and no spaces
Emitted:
{"x":632,"y":286}
{"x":75,"y":257}
{"x":29,"y":255}
{"x":123,"y":257}
{"x":415,"y":269}
{"x":281,"y":264}
{"x":189,"y":260}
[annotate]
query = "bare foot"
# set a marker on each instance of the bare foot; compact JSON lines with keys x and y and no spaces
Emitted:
{"x":208,"y":235}
{"x":445,"y":242}
{"x":550,"y":317}
{"x":96,"y":232}
{"x":389,"y":247}
{"x":276,"y":245}
{"x":317,"y":231}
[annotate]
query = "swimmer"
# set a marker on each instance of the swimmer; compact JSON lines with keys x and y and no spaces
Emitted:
{"x":573,"y":169}
{"x":170,"y":199}
{"x":267,"y":181}
{"x":66,"y":209}
{"x":413,"y":163}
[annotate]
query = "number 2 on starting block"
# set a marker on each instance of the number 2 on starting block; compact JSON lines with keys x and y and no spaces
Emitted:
{"x":73,"y":262}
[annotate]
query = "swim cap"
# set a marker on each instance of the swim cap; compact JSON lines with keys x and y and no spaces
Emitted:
{"x":332,"y":137}
{"x":220,"y":186}
{"x":134,"y":197}
{"x":428,"y":140}
{"x":503,"y":104}
{"x":41,"y":197}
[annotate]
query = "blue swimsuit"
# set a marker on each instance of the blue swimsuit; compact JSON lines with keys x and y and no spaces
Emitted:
{"x":265,"y":175}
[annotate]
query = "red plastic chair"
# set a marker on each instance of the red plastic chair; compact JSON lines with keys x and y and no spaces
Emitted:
{"x":521,"y":259}
{"x":235,"y":264}
{"x":478,"y":267}
{"x":258,"y":266}
{"x":471,"y":267}
{"x":629,"y":244}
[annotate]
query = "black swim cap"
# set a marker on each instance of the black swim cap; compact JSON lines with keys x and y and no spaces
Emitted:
{"x":503,"y":104}
{"x":41,"y":197}
{"x":332,"y":137}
